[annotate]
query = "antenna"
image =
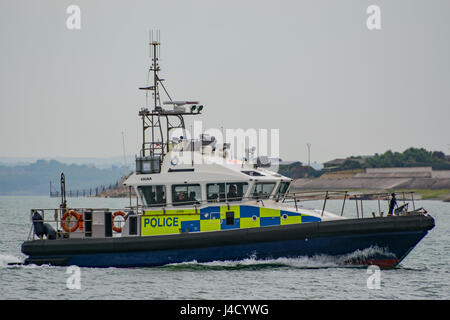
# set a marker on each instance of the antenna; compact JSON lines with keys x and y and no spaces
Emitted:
{"x":155,"y":66}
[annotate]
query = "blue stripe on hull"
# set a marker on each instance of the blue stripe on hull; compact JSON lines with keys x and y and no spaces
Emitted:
{"x":397,"y":245}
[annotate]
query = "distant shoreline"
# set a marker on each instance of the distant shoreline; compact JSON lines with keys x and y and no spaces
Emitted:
{"x":419,"y":194}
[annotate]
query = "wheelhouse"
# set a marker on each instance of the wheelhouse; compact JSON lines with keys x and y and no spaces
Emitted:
{"x":194,"y":192}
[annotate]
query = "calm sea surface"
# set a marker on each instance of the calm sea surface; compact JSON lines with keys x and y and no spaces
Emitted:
{"x":424,"y":274}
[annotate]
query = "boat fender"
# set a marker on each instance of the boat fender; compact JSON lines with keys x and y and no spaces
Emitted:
{"x":115,"y":214}
{"x":75,"y":215}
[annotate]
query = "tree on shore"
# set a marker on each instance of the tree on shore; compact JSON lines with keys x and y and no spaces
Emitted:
{"x":411,"y":157}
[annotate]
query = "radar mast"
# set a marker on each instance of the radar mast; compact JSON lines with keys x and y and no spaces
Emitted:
{"x":158,"y":122}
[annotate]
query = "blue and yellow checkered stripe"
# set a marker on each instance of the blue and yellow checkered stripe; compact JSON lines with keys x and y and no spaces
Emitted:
{"x":214,"y":218}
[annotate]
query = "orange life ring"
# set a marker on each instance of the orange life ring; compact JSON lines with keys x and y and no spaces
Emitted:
{"x":80,"y":221}
{"x":115,"y":214}
{"x":74,"y":214}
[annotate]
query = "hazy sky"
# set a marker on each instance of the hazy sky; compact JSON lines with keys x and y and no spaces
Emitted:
{"x":309,"y":68}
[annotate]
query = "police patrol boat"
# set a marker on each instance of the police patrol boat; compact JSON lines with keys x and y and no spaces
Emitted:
{"x":212,"y":207}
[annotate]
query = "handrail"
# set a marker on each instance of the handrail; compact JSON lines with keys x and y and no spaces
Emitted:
{"x":56,"y":220}
{"x":343,"y":195}
{"x":295,"y":196}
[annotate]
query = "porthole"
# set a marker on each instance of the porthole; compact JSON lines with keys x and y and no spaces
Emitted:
{"x":284,"y":216}
{"x":254,"y":218}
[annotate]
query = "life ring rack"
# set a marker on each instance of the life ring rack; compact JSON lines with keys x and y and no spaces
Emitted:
{"x":115,"y":214}
{"x":74,"y":214}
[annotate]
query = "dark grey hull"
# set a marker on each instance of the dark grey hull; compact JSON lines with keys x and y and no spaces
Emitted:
{"x":398,"y":234}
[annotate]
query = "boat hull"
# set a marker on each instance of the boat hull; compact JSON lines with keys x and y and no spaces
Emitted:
{"x":379,"y":241}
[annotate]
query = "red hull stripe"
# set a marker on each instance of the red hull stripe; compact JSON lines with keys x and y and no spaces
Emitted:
{"x":382,"y":263}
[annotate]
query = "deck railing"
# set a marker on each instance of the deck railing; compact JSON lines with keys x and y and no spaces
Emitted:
{"x":55,"y":218}
{"x":405,"y":197}
{"x":298,"y":199}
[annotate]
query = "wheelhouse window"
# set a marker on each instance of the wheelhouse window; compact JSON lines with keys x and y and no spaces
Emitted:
{"x":282,"y":189}
{"x":215,"y":192}
{"x":153,"y":196}
{"x":262,"y":190}
{"x":186,"y":194}
{"x":221,"y":192}
{"x":235,"y":191}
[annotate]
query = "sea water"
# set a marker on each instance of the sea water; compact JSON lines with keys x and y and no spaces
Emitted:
{"x":423,"y":274}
